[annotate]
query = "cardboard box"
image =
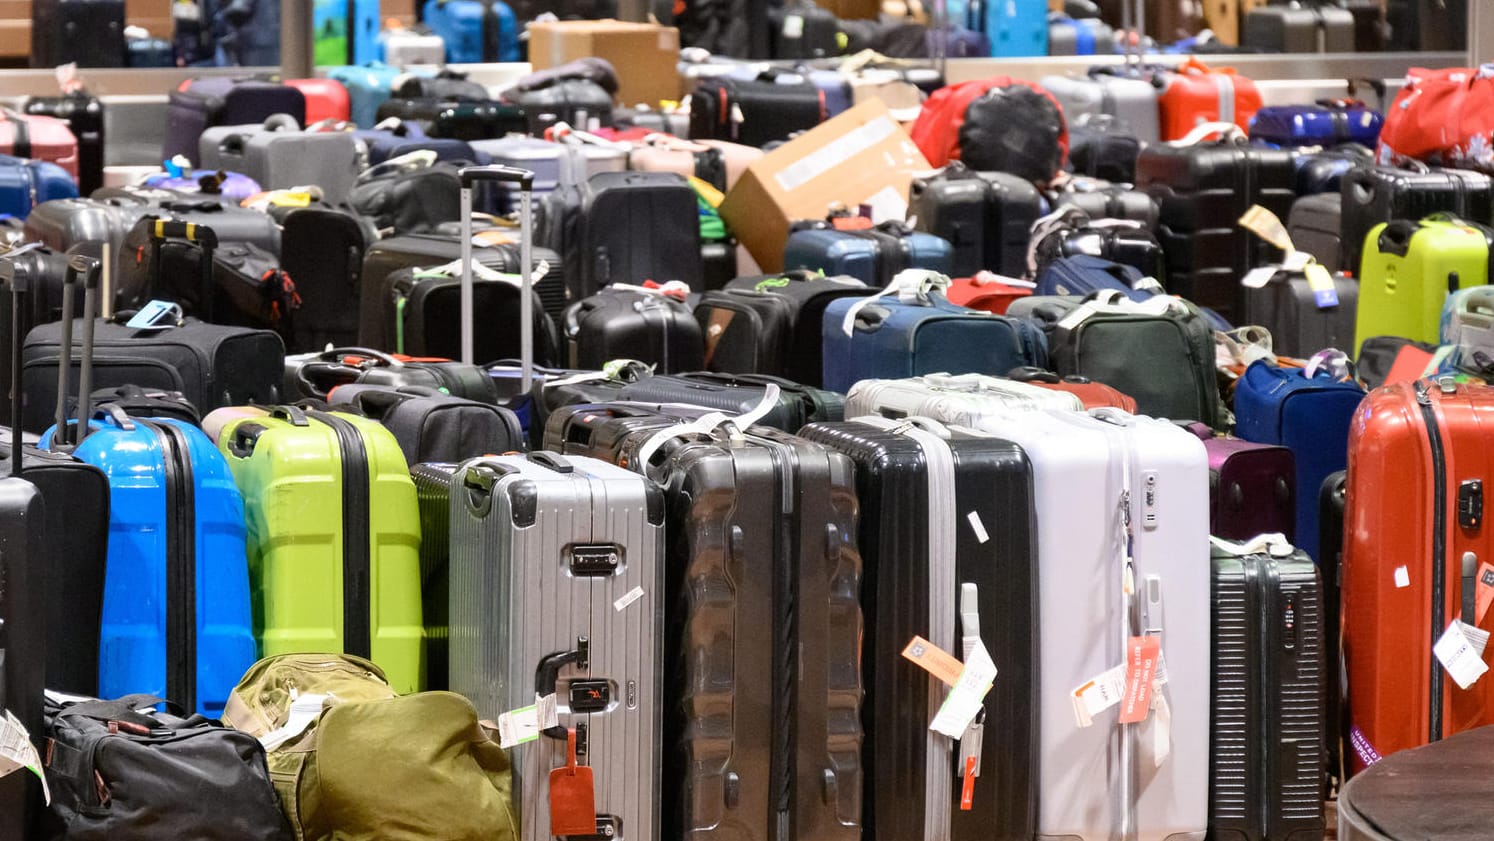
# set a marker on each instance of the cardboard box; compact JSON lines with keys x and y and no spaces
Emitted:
{"x":852,"y":9}
{"x":861,"y":156}
{"x":15,"y":38}
{"x":644,"y":54}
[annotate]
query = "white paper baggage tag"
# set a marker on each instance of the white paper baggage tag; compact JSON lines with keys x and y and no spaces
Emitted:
{"x":303,"y":711}
{"x":516,"y":727}
{"x":1461,"y":652}
{"x":547,"y":711}
{"x":18,"y":753}
{"x":966,"y":699}
{"x":1098,"y":694}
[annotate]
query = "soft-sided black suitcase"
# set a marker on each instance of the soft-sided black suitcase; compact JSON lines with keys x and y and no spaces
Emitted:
{"x":1202,"y":191}
{"x":1293,"y":29}
{"x":314,"y":375}
{"x":322,"y":249}
{"x":927,"y":572}
{"x":624,"y":323}
{"x":985,"y":216}
{"x":85,"y":116}
{"x":431,"y":425}
{"x":753,"y":113}
{"x":1315,"y":227}
{"x":1376,"y":194}
{"x":1270,"y":690}
{"x":738,"y":394}
{"x":89,"y":33}
{"x":387,"y":256}
{"x":417,"y":312}
{"x":633,"y":227}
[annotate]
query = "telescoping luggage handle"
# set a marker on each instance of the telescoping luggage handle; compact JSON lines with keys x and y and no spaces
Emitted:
{"x":525,"y":180}
{"x":161,"y":230}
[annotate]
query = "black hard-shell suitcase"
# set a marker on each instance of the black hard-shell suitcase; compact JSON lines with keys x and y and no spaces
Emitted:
{"x":85,"y":116}
{"x":1320,"y":28}
{"x":322,"y":249}
{"x":1202,"y":191}
{"x":771,"y":324}
{"x":753,"y":113}
{"x":801,"y":30}
{"x":738,"y":394}
{"x":927,"y":572}
{"x":1315,"y":227}
{"x":777,"y":653}
{"x":1287,"y":306}
{"x":387,"y":256}
{"x":633,"y":227}
{"x":45,"y":272}
{"x":1270,"y":690}
{"x":418,"y":312}
{"x":1322,"y":171}
{"x":1111,"y":202}
{"x":985,"y":216}
{"x":1102,"y":146}
{"x":457,"y":120}
{"x":1376,"y":194}
{"x":624,"y":323}
{"x":89,"y":33}
{"x":718,"y":262}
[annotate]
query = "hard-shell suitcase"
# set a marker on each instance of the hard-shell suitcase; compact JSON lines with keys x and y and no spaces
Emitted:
{"x":26,"y":184}
{"x":778,"y":654}
{"x":1115,"y":201}
{"x":1198,"y":94}
{"x":1316,"y":125}
{"x":389,"y":255}
{"x":1315,"y":227}
{"x":475,"y":31}
{"x":753,"y":113}
{"x":431,"y":425}
{"x":985,"y":217}
{"x":344,"y":32}
{"x":84,"y":116}
{"x":800,"y":30}
{"x":313,"y":375}
{"x":640,"y":324}
{"x":1301,"y":324}
{"x":1309,"y":416}
{"x":89,"y":33}
{"x":928,"y":572}
{"x":577,"y":102}
{"x":1417,"y":25}
{"x":220,"y":101}
{"x":1079,"y":36}
{"x":410,"y":47}
{"x":522,"y":630}
{"x":1407,"y":270}
{"x":1269,"y":691}
{"x":771,"y":324}
{"x":322,"y":249}
{"x":280,"y":155}
{"x":1252,"y":487}
{"x":1376,"y":194}
{"x":633,"y":227}
{"x":1323,"y":171}
{"x":1017,"y":29}
{"x":547,"y":159}
{"x":1292,"y":29}
{"x":1101,"y":147}
{"x":333,"y":538}
{"x":1092,"y":394}
{"x":368,"y":87}
{"x":1202,"y":191}
{"x":873,"y":256}
{"x":968,"y":400}
{"x":887,"y":339}
{"x":1414,"y":542}
{"x":1132,"y":102}
{"x":796,"y":405}
{"x":326,"y":99}
{"x":1139,"y":487}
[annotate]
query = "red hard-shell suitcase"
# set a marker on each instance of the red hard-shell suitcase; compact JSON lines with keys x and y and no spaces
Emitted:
{"x":1092,"y":394}
{"x":326,"y":99}
{"x":1414,"y":541}
{"x":1199,"y":94}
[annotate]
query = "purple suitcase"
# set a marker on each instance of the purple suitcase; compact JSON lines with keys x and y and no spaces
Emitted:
{"x":1252,"y":487}
{"x":230,"y":185}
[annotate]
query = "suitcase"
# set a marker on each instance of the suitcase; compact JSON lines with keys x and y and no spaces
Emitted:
{"x":1197,"y":94}
{"x":344,"y":32}
{"x":770,"y":324}
{"x":1414,"y":541}
{"x":1202,"y":191}
{"x":548,"y":160}
{"x":409,"y":47}
{"x":1114,"y":201}
{"x":368,"y":87}
{"x":475,"y":31}
{"x":1372,"y":195}
{"x":326,"y":99}
{"x":1017,"y":29}
{"x":1082,"y":275}
{"x":640,"y":324}
{"x":1408,"y":270}
{"x":244,"y":35}
{"x":975,"y":401}
{"x":279,"y":155}
{"x":1300,"y":325}
{"x":800,"y":30}
{"x":1092,"y":780}
{"x":1370,"y":29}
{"x":415,"y":310}
{"x":1323,"y":171}
{"x":322,"y":249}
{"x":467,"y":121}
{"x":507,"y":647}
{"x":88,"y":33}
{"x":403,"y":138}
{"x":1314,"y":226}
{"x":985,"y":217}
{"x":1092,"y":394}
{"x":391,"y":254}
{"x":1269,"y":688}
{"x":149,"y":52}
{"x":84,"y":116}
{"x":221,"y":101}
{"x":26,"y":184}
{"x":23,"y":678}
{"x":40,"y":138}
{"x":1309,"y":416}
{"x":212,"y":366}
{"x":1251,"y":487}
{"x":1170,"y":20}
{"x":753,"y":113}
{"x":888,"y":339}
{"x":1287,"y":29}
{"x":1415,"y":794}
{"x":1315,"y":125}
{"x":312,"y":480}
{"x":442,"y":86}
{"x":1419,"y":25}
{"x":1132,"y":102}
{"x":633,"y":227}
{"x":718,"y":262}
{"x":1160,"y":351}
{"x":1101,"y":147}
{"x":431,"y":425}
{"x":873,"y":256}
{"x":1113,"y":254}
{"x":576,"y":102}
{"x":314,"y":375}
{"x":796,"y":406}
{"x":789,"y":632}
{"x":228,"y":187}
{"x":927,"y":572}
{"x":1079,"y":36}
{"x":716,"y":162}
{"x":409,"y":197}
{"x":987,"y":292}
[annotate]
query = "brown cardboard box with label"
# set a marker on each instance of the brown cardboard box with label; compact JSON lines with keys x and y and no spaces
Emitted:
{"x":860,"y":156}
{"x":643,"y":54}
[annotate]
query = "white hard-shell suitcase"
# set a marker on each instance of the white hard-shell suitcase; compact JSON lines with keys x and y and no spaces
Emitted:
{"x":1132,"y":101}
{"x":961,"y":399}
{"x":1103,"y":480}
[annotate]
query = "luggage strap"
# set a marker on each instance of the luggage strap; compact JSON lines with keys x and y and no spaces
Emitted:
{"x":1274,"y":544}
{"x":710,"y":422}
{"x":1227,"y":131}
{"x":911,"y":286}
{"x":1114,"y":302}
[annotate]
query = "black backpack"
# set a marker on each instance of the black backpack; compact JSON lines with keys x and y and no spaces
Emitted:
{"x":1015,"y":129}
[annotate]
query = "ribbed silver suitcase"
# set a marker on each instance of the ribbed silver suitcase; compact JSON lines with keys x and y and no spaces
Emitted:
{"x":1132,"y":101}
{"x":962,"y":399}
{"x":556,"y":571}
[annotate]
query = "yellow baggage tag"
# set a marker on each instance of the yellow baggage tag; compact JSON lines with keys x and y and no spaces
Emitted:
{"x":1321,"y":283}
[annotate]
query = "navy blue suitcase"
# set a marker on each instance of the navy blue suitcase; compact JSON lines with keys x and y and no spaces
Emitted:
{"x":890,"y":339}
{"x":24,"y":184}
{"x":1082,"y":274}
{"x":407,"y":137}
{"x":873,"y":256}
{"x":1317,"y":125}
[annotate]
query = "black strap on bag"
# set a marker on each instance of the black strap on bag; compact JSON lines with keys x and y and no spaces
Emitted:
{"x":160,"y":230}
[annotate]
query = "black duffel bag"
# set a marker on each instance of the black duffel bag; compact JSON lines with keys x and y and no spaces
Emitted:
{"x":119,"y":771}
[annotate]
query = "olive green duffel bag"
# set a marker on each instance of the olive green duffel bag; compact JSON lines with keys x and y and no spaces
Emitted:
{"x":353,"y":761}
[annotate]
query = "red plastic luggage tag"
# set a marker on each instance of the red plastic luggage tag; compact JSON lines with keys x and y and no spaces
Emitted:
{"x":967,"y":791}
{"x":573,"y":808}
{"x":1142,"y":654}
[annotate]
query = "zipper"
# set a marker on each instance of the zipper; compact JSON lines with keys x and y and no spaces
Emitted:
{"x":181,"y":564}
{"x":1439,"y":549}
{"x":356,"y":559}
{"x":1260,"y":579}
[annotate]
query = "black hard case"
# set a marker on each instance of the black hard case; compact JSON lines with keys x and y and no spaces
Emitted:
{"x":1202,"y":191}
{"x":1376,"y":194}
{"x":1315,"y":226}
{"x":1269,"y":692}
{"x":985,"y":216}
{"x":322,"y":249}
{"x":1291,"y":29}
{"x":622,"y":323}
{"x":1115,"y":202}
{"x":85,"y":116}
{"x":88,"y":32}
{"x":993,"y":480}
{"x":633,"y":227}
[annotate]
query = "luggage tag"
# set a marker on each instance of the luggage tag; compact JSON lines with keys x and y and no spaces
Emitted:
{"x":17,"y":752}
{"x":1460,"y":650}
{"x":156,"y":315}
{"x":1485,"y":589}
{"x":573,"y":808}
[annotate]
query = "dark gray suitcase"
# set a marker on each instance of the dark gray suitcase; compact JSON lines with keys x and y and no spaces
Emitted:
{"x":1314,"y":226}
{"x":985,"y":216}
{"x":1376,"y":194}
{"x":1287,"y":306}
{"x":1292,"y":29}
{"x":633,"y":227}
{"x":1270,"y":690}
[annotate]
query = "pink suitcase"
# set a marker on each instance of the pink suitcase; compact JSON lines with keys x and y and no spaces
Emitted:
{"x":41,"y":138}
{"x":662,"y":153}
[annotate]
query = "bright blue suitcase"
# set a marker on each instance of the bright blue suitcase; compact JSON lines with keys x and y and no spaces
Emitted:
{"x":176,"y":538}
{"x":1017,"y":28}
{"x":1316,"y":125}
{"x":368,"y":87}
{"x":1310,"y":417}
{"x":464,"y":25}
{"x":891,"y":340}
{"x":25,"y":183}
{"x":871,"y":256}
{"x":355,"y":21}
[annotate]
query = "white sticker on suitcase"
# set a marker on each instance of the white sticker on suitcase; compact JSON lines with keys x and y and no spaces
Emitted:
{"x":1461,"y":652}
{"x":1402,"y":577}
{"x":977,"y":526}
{"x":627,"y":598}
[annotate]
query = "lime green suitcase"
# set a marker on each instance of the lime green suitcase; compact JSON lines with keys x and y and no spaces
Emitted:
{"x":334,"y":538}
{"x":1409,"y":268}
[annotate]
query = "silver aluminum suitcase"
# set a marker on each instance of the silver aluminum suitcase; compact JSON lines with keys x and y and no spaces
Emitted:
{"x":1092,"y":473}
{"x":279,"y":154}
{"x":406,"y":48}
{"x":963,"y":399}
{"x":1132,"y":101}
{"x":557,"y":587}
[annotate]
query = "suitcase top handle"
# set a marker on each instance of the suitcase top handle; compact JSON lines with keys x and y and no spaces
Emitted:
{"x":471,"y":175}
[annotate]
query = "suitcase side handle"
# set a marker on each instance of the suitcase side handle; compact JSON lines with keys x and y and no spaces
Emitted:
{"x":547,"y":675}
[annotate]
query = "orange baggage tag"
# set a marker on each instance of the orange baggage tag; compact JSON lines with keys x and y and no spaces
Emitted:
{"x":573,"y":807}
{"x":1141,"y":671}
